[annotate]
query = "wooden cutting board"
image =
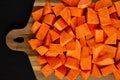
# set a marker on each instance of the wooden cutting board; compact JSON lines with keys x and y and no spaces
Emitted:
{"x":26,"y":34}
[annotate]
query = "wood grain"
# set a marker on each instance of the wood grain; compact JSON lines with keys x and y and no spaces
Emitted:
{"x":24,"y":46}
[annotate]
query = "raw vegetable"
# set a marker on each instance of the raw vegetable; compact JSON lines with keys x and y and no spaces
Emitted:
{"x":78,"y":37}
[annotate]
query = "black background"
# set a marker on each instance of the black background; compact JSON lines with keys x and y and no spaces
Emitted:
{"x":14,"y":65}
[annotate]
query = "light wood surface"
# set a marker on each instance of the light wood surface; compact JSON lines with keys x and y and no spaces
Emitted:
{"x":24,"y":46}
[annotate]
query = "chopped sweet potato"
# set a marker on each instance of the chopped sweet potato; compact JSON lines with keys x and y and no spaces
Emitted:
{"x":84,"y":3}
{"x":95,"y":71}
{"x":35,"y":27}
{"x":72,"y":74}
{"x":54,"y":35}
{"x":47,"y":8}
{"x":83,"y":64}
{"x":49,"y":19}
{"x":72,"y":63}
{"x":54,"y":62}
{"x":71,"y":2}
{"x":41,"y":60}
{"x":66,"y":15}
{"x":42,"y":50}
{"x":104,"y":16}
{"x":60,"y":24}
{"x":76,"y":12}
{"x":34,"y":43}
{"x":47,"y":70}
{"x":65,"y":38}
{"x":117,"y":5}
{"x":90,"y":18}
{"x":82,"y":31}
{"x":60,"y":72}
{"x":108,"y":69}
{"x":56,"y":9}
{"x":37,"y":14}
{"x":41,"y":34}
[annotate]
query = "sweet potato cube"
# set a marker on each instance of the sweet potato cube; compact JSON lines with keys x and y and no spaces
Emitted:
{"x":84,"y":3}
{"x":35,"y":27}
{"x":49,"y":19}
{"x":60,"y":24}
{"x":82,"y":31}
{"x":58,"y":8}
{"x":108,"y":69}
{"x":66,"y":15}
{"x":71,"y":2}
{"x":95,"y":71}
{"x":47,"y":8}
{"x":99,"y":35}
{"x":37,"y":14}
{"x":109,"y":30}
{"x":90,"y":18}
{"x":104,"y":60}
{"x":54,"y":62}
{"x":54,"y":35}
{"x":72,"y":74}
{"x":83,"y":64}
{"x":65,"y":38}
{"x":77,"y":12}
{"x":42,"y":50}
{"x":112,"y":39}
{"x":54,"y":50}
{"x":60,"y":72}
{"x":34,"y":43}
{"x":109,"y":50}
{"x":104,"y":16}
{"x":41,"y":60}
{"x":47,"y":70}
{"x":103,"y":3}
{"x":41,"y":34}
{"x":117,"y":5}
{"x":72,"y":63}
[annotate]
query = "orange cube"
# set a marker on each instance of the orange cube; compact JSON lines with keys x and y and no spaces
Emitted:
{"x":83,"y":64}
{"x":60,"y":24}
{"x":54,"y":62}
{"x":72,"y":63}
{"x":49,"y":19}
{"x":35,"y":27}
{"x":65,"y":38}
{"x":60,"y":72}
{"x":56,"y":9}
{"x":47,"y":70}
{"x":34,"y":43}
{"x":41,"y":34}
{"x":104,"y":16}
{"x":42,"y":50}
{"x":72,"y":74}
{"x":108,"y":69}
{"x":99,"y":35}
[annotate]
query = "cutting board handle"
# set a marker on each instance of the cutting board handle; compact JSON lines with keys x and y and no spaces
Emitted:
{"x":18,"y":39}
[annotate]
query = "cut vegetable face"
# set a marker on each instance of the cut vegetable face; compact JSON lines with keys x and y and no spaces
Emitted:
{"x":78,"y":37}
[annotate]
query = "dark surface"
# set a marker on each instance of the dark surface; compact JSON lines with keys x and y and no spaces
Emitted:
{"x":14,"y":65}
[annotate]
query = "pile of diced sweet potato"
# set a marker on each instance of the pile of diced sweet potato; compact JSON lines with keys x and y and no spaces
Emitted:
{"x":78,"y":37}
